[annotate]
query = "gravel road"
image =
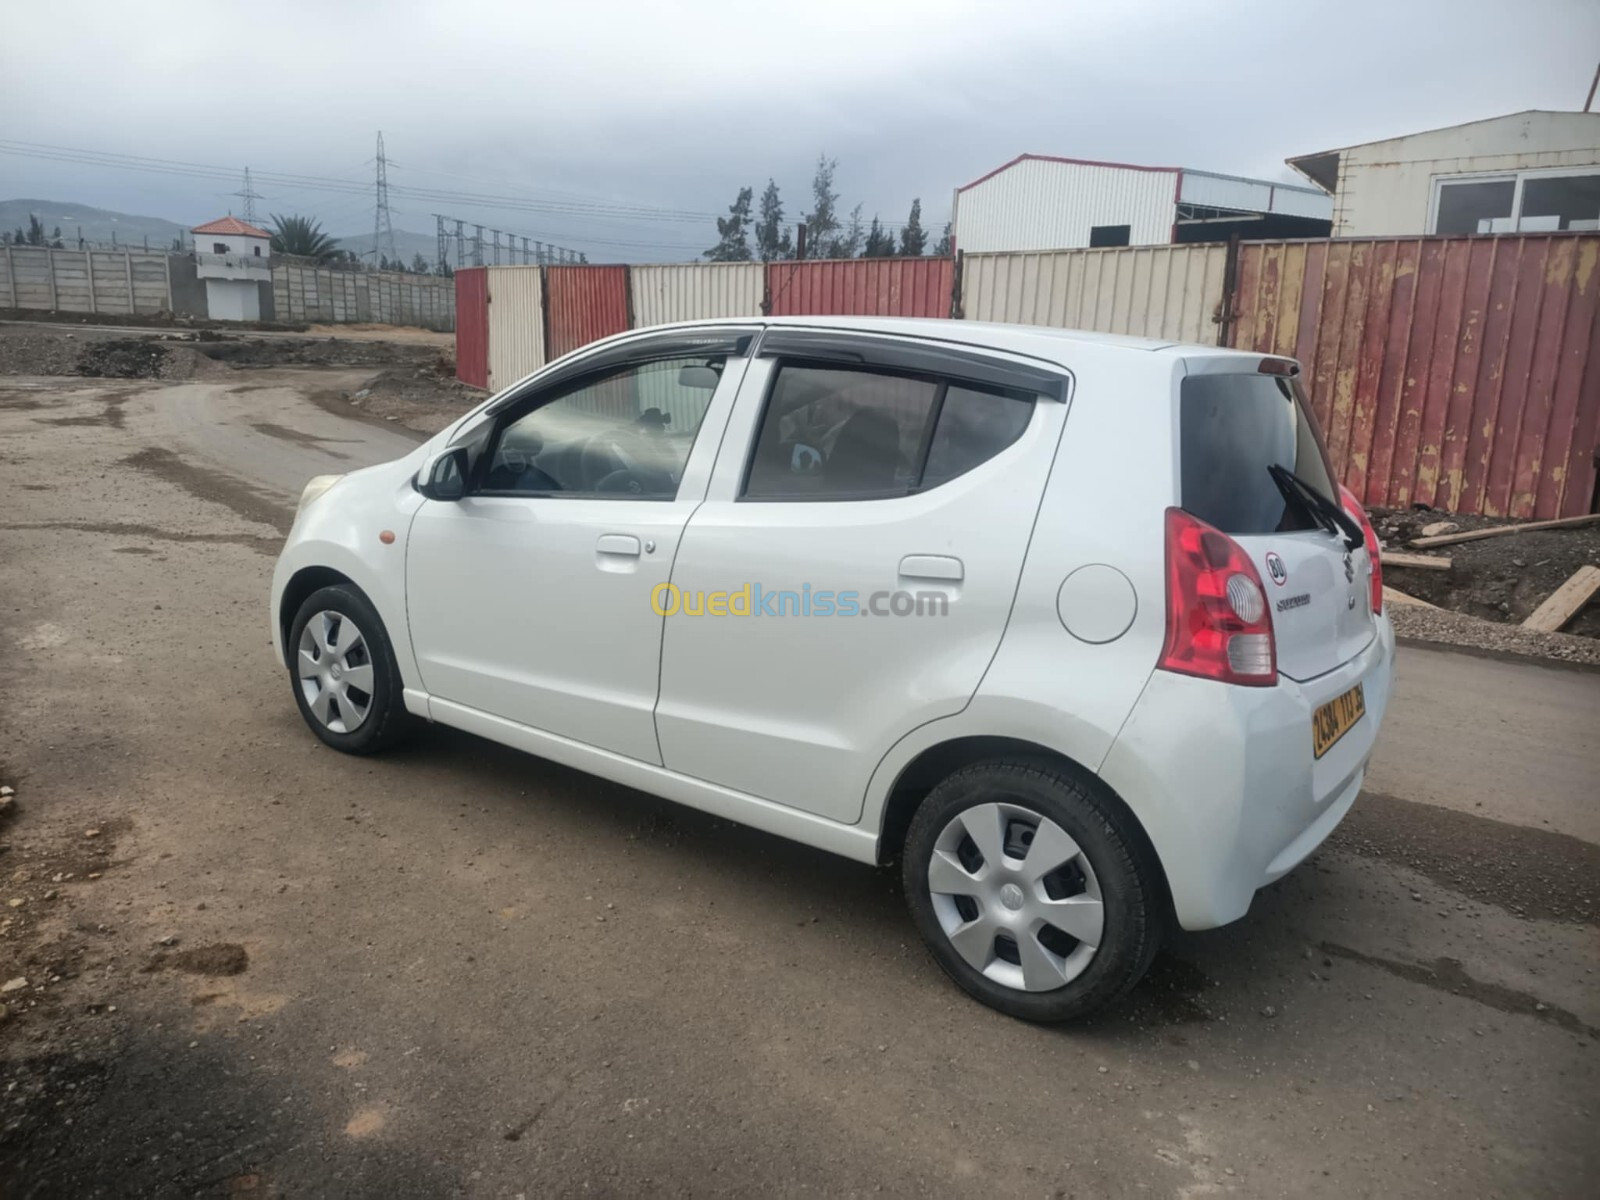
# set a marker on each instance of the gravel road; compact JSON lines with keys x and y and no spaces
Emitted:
{"x":255,"y":967}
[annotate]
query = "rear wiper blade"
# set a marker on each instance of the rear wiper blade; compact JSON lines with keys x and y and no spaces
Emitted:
{"x":1328,"y":514}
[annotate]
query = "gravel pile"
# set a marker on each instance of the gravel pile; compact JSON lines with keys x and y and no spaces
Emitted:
{"x":103,"y":358}
{"x":1458,"y":629}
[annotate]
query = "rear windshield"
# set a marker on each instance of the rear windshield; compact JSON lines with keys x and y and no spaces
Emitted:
{"x":1233,"y":427}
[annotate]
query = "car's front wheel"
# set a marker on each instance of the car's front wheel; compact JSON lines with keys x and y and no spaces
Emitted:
{"x":1032,"y":889}
{"x":342,"y":669}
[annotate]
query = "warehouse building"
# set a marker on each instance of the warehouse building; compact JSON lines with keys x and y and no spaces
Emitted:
{"x":1529,"y":172}
{"x":1040,"y":202}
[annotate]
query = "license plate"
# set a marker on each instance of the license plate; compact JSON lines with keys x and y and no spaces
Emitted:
{"x":1335,"y":718}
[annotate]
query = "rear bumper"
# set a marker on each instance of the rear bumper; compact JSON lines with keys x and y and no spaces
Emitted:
{"x":1224,"y":781}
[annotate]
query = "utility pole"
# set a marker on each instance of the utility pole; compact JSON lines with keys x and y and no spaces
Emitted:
{"x":800,"y":242}
{"x":250,"y":196}
{"x":444,"y":244}
{"x":382,"y":224}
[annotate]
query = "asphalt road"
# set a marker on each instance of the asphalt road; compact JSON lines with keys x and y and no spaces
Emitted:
{"x":458,"y":970}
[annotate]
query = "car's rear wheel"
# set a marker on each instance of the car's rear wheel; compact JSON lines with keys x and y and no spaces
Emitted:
{"x":1032,"y":889}
{"x":343,"y":672}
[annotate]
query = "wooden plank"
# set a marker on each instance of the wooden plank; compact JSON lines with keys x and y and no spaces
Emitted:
{"x":1450,"y":539}
{"x":1426,"y":562}
{"x":1394,"y":596}
{"x":1565,"y":602}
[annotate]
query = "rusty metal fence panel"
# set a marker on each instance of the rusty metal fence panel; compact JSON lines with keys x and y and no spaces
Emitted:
{"x":1459,"y":372}
{"x":1168,"y":292}
{"x":862,"y":287}
{"x":472,"y":326}
{"x":585,"y":305}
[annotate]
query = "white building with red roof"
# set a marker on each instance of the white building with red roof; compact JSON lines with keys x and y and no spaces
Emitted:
{"x":232,"y":257}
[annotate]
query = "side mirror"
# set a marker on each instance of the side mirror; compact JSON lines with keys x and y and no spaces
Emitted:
{"x":699,"y":377}
{"x":444,"y":477}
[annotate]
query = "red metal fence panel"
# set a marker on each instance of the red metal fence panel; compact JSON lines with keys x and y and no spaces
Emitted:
{"x":862,"y":287}
{"x":472,"y":326}
{"x":585,"y":305}
{"x":1458,"y":372}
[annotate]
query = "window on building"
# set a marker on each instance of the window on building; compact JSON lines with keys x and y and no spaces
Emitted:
{"x":256,"y":250}
{"x":1525,"y":202}
{"x":1109,"y":235}
{"x":219,"y":247}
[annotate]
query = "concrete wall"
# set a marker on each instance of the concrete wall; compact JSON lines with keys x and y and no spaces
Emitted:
{"x":304,"y":293}
{"x":186,"y":290}
{"x":92,"y":281}
{"x":1385,"y":189}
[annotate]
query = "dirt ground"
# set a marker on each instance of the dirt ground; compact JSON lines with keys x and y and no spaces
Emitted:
{"x":234,"y":962}
{"x":1501,"y":579}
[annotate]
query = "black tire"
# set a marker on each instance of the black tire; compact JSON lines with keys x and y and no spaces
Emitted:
{"x":386,"y":722}
{"x":1129,"y":881}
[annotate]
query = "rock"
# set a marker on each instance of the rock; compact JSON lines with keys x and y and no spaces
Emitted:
{"x":1269,"y":1012}
{"x":8,"y":790}
{"x":91,"y":833}
{"x":1192,"y":1065}
{"x":1103,"y":1070}
{"x":1435,"y":528}
{"x":170,"y":939}
{"x":14,"y":985}
{"x":16,"y":902}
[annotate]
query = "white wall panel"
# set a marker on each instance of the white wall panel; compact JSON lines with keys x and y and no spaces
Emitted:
{"x":1165,"y":292}
{"x":516,"y":324}
{"x":1044,"y":204}
{"x":695,"y":291}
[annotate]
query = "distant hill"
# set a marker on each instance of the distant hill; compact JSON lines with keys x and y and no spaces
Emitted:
{"x":92,"y":224}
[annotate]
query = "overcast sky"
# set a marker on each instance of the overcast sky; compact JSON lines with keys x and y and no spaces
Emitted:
{"x":674,"y":104}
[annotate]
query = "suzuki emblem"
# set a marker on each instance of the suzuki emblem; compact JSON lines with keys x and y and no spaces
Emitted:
{"x":1349,"y":568}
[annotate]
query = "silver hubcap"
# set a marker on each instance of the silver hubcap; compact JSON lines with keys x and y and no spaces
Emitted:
{"x":1016,"y":896}
{"x":335,"y":670}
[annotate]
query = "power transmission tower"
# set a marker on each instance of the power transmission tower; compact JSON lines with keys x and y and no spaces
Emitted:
{"x":461,"y":246}
{"x":444,"y":245}
{"x":382,"y":225}
{"x":249,"y":195}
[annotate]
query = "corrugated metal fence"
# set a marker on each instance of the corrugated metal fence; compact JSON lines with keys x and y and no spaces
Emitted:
{"x":1458,"y":372}
{"x":472,"y":326}
{"x":1170,"y":292}
{"x":1463,"y":373}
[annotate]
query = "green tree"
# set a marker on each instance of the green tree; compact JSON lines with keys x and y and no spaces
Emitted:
{"x":848,"y":244}
{"x":880,"y":242}
{"x":945,"y":245}
{"x":419,"y":265}
{"x":35,"y":231}
{"x":822,"y":222}
{"x":303,"y":237}
{"x":734,"y":230}
{"x":913,"y":238}
{"x":772,"y":239}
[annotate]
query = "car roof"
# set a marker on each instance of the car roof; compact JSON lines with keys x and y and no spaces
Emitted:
{"x":1034,"y":341}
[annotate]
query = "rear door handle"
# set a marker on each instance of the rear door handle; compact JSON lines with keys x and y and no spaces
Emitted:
{"x":618,"y":543}
{"x":932,"y":566}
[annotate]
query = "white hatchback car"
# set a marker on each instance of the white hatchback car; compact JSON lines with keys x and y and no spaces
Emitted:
{"x":1078,"y":628}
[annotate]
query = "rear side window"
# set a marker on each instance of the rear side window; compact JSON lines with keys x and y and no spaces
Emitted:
{"x":1232,"y":428}
{"x":832,"y":433}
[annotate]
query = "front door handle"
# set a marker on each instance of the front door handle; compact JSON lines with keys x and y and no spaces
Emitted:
{"x":932,"y":566}
{"x":619,"y":543}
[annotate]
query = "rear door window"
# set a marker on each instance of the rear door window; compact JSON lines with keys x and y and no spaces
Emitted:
{"x":842,"y":433}
{"x":1233,"y":427}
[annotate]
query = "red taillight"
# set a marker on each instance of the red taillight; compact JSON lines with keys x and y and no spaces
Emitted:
{"x":1374,"y":555}
{"x":1218,"y":626}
